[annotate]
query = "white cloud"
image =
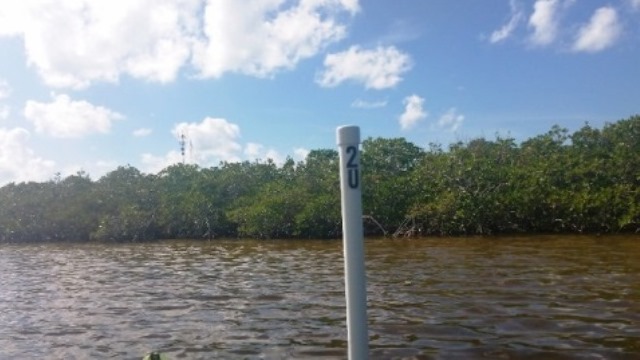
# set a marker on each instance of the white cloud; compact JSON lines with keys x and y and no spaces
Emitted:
{"x":413,"y":112}
{"x":148,"y":39}
{"x":507,"y":29}
{"x":362,"y":104}
{"x":260,"y":37}
{"x":451,"y":120}
{"x":155,"y":39}
{"x":12,"y":17}
{"x":142,"y":132}
{"x":206,"y":143}
{"x":66,"y":118}
{"x":153,"y":164}
{"x":210,"y":141}
{"x":5,"y":89}
{"x":275,"y":156}
{"x":544,"y":22}
{"x":18,"y":162}
{"x":255,"y":151}
{"x":601,"y":32}
{"x":99,"y":168}
{"x":380,"y":68}
{"x":635,"y":4}
{"x":300,"y":154}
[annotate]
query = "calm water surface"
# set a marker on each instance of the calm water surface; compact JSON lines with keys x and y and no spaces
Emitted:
{"x":530,"y":298}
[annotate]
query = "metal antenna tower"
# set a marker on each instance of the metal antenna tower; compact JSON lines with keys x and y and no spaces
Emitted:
{"x":182,"y":144}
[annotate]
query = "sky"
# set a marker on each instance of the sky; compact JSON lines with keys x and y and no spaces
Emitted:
{"x":90,"y":85}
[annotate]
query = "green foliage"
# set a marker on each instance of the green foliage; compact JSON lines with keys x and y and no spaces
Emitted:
{"x":587,"y":181}
{"x":126,"y":204}
{"x":317,"y":185}
{"x":269,"y":214}
{"x":389,"y":186}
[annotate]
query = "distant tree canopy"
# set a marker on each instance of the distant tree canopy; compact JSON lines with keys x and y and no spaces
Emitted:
{"x":587,"y":181}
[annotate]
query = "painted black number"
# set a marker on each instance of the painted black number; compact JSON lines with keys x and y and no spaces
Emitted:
{"x":353,"y":173}
{"x":352,"y":152}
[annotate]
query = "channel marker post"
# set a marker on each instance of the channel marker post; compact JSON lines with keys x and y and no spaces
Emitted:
{"x":348,"y":138}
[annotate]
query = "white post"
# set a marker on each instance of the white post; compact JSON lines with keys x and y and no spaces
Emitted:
{"x":353,"y":241}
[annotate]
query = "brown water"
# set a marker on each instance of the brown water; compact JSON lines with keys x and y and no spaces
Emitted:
{"x":531,"y":298}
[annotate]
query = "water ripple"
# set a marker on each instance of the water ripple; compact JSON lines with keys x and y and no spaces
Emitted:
{"x":533,"y":298}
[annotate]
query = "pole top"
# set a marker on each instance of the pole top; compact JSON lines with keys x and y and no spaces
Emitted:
{"x":348,"y":135}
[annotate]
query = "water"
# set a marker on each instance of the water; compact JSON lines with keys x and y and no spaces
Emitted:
{"x":532,"y":298}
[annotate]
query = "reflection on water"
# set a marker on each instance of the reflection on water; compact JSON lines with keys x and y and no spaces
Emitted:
{"x":541,"y":298}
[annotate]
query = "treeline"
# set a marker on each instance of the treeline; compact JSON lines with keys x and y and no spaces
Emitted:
{"x":586,"y":181}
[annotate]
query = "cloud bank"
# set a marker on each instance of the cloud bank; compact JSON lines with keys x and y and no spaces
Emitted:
{"x":260,"y":37}
{"x":155,"y":39}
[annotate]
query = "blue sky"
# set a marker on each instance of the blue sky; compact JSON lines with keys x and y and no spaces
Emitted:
{"x":94,"y":84}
